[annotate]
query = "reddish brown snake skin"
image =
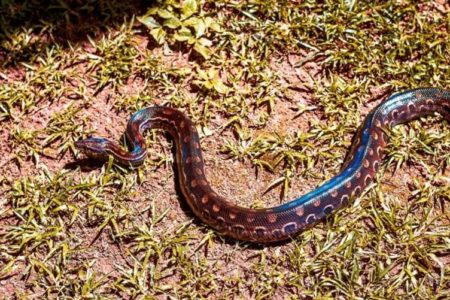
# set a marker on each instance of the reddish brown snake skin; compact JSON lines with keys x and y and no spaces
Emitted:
{"x":280,"y":222}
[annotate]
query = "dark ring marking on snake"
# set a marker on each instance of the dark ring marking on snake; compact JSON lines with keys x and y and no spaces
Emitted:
{"x":284,"y":221}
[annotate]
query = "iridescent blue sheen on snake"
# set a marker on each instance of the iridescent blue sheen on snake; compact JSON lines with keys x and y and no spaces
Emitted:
{"x":284,"y":221}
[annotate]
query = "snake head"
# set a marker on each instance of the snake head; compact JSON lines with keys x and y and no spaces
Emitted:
{"x":94,"y":147}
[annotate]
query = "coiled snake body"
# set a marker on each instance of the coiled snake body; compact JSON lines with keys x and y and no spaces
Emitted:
{"x":284,"y":221}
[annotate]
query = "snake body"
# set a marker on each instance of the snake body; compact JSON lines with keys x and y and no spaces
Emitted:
{"x":283,"y":221}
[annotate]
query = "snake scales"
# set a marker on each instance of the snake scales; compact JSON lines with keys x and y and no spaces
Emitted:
{"x":283,"y":221}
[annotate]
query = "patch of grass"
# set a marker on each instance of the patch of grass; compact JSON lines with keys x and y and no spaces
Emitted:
{"x":113,"y":58}
{"x":249,"y":74}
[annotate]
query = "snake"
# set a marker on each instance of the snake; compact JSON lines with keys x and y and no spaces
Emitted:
{"x":282,"y":222}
